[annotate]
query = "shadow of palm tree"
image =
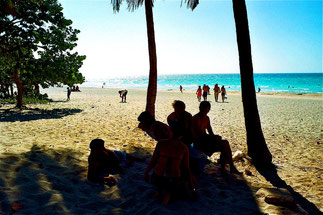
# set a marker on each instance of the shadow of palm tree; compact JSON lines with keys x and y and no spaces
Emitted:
{"x":217,"y":194}
{"x":272,"y":176}
{"x":13,"y":115}
{"x":54,"y":181}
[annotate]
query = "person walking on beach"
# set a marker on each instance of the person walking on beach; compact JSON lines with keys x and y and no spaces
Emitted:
{"x":123,"y":95}
{"x":205,"y":90}
{"x":68,"y":93}
{"x":181,"y":88}
{"x":223,"y":93}
{"x":103,"y":161}
{"x":209,"y":143}
{"x":170,"y":160}
{"x":216,"y":92}
{"x":199,"y":93}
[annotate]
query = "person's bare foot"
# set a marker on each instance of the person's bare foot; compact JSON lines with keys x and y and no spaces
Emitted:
{"x":110,"y":181}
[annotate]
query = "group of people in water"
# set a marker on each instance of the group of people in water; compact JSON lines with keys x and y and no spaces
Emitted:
{"x":206,"y":92}
{"x":174,"y":164}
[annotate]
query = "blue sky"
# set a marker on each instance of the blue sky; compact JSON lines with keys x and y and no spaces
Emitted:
{"x":286,"y":37}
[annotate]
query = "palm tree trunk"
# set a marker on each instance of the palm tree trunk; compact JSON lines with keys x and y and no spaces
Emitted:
{"x":152,"y":84}
{"x":19,"y":87}
{"x":257,"y":147}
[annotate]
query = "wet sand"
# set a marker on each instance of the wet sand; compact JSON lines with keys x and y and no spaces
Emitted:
{"x":44,"y":150}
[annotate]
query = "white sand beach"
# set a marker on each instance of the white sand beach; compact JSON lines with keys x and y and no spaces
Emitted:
{"x":44,"y":151}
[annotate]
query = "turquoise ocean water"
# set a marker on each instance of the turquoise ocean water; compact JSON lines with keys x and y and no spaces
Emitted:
{"x":278,"y":82}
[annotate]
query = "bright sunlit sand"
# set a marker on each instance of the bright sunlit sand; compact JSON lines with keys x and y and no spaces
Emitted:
{"x":44,"y":152}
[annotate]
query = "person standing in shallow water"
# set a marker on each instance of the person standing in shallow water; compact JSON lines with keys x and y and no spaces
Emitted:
{"x":216,"y":92}
{"x":199,"y":93}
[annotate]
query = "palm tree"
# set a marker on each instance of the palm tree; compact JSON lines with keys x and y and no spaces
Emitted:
{"x":152,"y":84}
{"x":257,"y":147}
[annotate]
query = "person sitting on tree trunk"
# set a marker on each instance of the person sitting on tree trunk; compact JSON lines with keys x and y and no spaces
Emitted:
{"x":209,"y":143}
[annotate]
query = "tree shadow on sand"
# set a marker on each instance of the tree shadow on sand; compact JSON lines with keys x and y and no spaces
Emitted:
{"x":48,"y":181}
{"x":272,"y":176}
{"x":51,"y":182}
{"x":29,"y":114}
{"x":217,"y":194}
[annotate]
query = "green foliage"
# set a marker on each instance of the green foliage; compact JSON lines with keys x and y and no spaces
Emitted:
{"x":41,"y":99}
{"x":37,"y":40}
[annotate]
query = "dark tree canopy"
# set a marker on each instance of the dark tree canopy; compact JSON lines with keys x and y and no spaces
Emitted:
{"x":36,"y":43}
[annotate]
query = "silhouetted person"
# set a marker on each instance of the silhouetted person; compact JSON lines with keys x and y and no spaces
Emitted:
{"x":103,"y":162}
{"x":180,"y":123}
{"x":170,"y":160}
{"x":123,"y":95}
{"x":209,"y":143}
{"x":181,"y":88}
{"x":68,"y":94}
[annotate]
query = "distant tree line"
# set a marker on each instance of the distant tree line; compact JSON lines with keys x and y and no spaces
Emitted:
{"x":36,"y":48}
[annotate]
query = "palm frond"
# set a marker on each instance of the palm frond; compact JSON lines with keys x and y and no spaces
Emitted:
{"x":134,"y":4}
{"x":116,"y":5}
{"x":191,"y":3}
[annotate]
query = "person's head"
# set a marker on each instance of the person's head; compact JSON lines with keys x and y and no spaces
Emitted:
{"x":178,"y":106}
{"x":97,"y":144}
{"x":199,"y":87}
{"x":68,"y":88}
{"x":145,"y":120}
{"x":205,"y":107}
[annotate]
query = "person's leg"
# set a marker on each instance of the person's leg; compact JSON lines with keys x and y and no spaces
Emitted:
{"x":228,"y":156}
{"x":135,"y":158}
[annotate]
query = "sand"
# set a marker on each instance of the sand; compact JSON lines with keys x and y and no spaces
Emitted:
{"x":44,"y":150}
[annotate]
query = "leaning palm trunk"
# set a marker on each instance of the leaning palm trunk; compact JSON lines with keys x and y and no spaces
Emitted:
{"x":257,"y":148}
{"x":152,"y":84}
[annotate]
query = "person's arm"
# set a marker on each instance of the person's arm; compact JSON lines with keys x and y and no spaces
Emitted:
{"x":193,"y":128}
{"x":93,"y":171}
{"x":152,"y":163}
{"x":209,"y":128}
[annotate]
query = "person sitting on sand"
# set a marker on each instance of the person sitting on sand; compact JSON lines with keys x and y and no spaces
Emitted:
{"x":170,"y":159}
{"x":103,"y":162}
{"x":180,"y":123}
{"x":123,"y":95}
{"x":209,"y":143}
